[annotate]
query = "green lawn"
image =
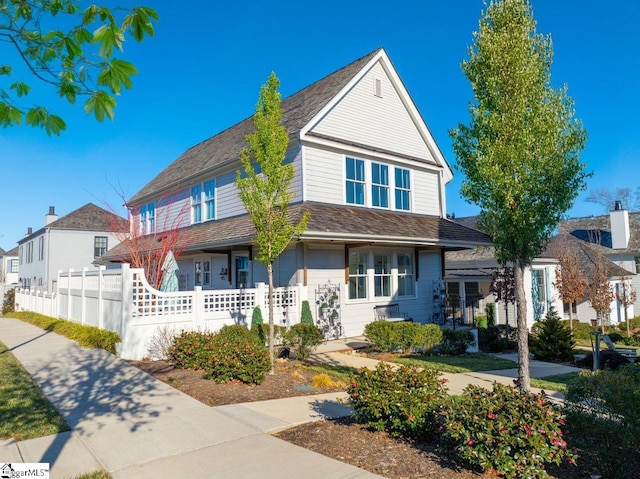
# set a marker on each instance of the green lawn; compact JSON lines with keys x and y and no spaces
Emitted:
{"x":554,"y":383}
{"x":337,"y":373}
{"x":466,"y":363}
{"x":25,"y":412}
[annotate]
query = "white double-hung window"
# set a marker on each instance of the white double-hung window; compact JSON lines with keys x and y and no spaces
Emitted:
{"x":379,"y":185}
{"x":355,"y":181}
{"x":196,"y":204}
{"x":403,"y":189}
{"x":357,"y":275}
{"x":406,"y":277}
{"x":382,"y":274}
{"x":209,"y":200}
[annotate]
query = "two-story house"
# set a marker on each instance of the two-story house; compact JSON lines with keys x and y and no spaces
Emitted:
{"x":8,"y":269}
{"x":368,"y":171}
{"x":73,"y":241}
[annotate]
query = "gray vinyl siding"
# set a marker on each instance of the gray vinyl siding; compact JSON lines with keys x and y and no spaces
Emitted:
{"x":229,"y":204}
{"x":425,"y":192}
{"x":174,"y":212}
{"x":324,"y":177}
{"x":380,"y":122}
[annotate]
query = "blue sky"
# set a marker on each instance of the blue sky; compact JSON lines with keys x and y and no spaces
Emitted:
{"x":202,"y":71}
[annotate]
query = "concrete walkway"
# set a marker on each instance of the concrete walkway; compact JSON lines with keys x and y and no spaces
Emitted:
{"x":134,"y":426}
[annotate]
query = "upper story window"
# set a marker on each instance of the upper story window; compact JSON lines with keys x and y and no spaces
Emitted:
{"x":403,"y":189}
{"x":41,"y":248}
{"x":210,"y":200}
{"x":355,"y":181}
{"x":13,"y":266}
{"x":196,"y":204}
{"x":20,"y":254}
{"x":30,"y":252}
{"x":151,"y":217}
{"x":99,"y":245}
{"x":203,"y":202}
{"x":379,"y":185}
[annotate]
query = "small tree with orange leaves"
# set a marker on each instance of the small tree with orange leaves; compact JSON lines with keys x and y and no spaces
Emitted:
{"x":626,"y":295}
{"x":600,"y":292}
{"x":570,"y":281}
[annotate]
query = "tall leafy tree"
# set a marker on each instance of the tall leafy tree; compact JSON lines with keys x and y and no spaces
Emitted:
{"x":264,"y":189}
{"x":520,"y":152}
{"x":72,"y":49}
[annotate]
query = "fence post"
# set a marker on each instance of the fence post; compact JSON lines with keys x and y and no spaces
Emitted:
{"x":83,"y":299}
{"x":100,"y":305}
{"x":57,"y":305}
{"x":69,"y":293}
{"x":198,"y":308}
{"x":126,"y":300}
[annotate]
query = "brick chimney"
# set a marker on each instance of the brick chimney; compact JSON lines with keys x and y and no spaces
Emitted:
{"x":619,"y":226}
{"x":51,"y":216}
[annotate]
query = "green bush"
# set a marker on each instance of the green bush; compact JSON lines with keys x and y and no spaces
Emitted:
{"x":407,"y":336}
{"x":551,"y":339}
{"x":381,"y":335}
{"x":504,"y":430}
{"x":191,"y":349}
{"x":404,"y":401}
{"x":261,"y":333}
{"x":482,"y":321}
{"x":430,"y":336}
{"x":634,"y":323}
{"x":303,"y":339}
{"x":305,"y":316}
{"x":633,"y":340}
{"x":490,"y":310}
{"x":616,"y":337}
{"x":9,"y":303}
{"x":456,"y":342}
{"x":603,"y":414}
{"x":235,"y":354}
{"x":494,"y":339}
{"x":608,"y":360}
{"x":581,"y":330}
{"x":87,"y":336}
{"x":256,"y":316}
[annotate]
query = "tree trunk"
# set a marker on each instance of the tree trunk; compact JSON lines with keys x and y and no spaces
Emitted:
{"x":523,"y":332}
{"x":271,"y":328}
{"x":626,"y":317}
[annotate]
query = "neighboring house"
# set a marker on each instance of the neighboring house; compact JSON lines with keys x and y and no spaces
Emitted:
{"x":8,"y":269}
{"x":468,"y":278}
{"x":616,"y":237}
{"x":366,"y":168}
{"x":73,"y":241}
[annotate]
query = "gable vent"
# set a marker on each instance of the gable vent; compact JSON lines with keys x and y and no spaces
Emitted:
{"x":377,"y":87}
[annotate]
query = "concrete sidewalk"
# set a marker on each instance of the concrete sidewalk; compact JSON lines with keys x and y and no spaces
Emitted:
{"x":134,"y":426}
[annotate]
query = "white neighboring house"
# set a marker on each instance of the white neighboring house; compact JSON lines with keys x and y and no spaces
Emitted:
{"x":8,"y":269}
{"x":368,"y":171}
{"x":73,"y":241}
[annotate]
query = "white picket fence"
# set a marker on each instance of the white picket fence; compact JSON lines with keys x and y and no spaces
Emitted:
{"x":122,"y":300}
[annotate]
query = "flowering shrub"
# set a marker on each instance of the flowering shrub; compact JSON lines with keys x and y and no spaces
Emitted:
{"x":405,"y":400}
{"x":191,"y":349}
{"x":510,"y":432}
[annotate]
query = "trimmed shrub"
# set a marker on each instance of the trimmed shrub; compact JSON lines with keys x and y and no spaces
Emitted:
{"x":305,"y":316}
{"x":235,"y":354}
{"x":494,"y":339}
{"x":430,"y":336}
{"x":552,"y":340}
{"x":191,"y":349}
{"x":504,"y":430}
{"x":490,"y":310}
{"x":303,"y":339}
{"x":256,"y":316}
{"x":401,"y":401}
{"x":87,"y":336}
{"x":407,"y":336}
{"x":381,"y":335}
{"x":580,"y":330}
{"x":456,"y":342}
{"x":9,"y":302}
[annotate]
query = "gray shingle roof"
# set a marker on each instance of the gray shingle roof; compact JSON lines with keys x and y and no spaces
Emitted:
{"x":297,"y":110}
{"x":339,"y":223}
{"x":597,"y":231}
{"x":12,"y":252}
{"x":86,"y":218}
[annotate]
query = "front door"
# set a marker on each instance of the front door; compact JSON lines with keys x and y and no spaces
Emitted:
{"x":242,"y":272}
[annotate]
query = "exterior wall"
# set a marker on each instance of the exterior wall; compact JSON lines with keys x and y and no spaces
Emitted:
{"x":63,"y":250}
{"x":325,"y":180}
{"x":357,"y":118}
{"x":8,"y":276}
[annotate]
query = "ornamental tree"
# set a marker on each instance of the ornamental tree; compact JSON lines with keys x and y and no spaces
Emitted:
{"x":72,"y":49}
{"x":520,"y":152}
{"x":264,"y":189}
{"x":570,"y":281}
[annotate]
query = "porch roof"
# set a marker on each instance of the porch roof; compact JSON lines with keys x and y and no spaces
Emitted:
{"x":327,"y":223}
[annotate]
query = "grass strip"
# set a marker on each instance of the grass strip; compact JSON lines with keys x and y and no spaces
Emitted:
{"x":557,"y":382}
{"x":25,"y":412}
{"x":466,"y":363}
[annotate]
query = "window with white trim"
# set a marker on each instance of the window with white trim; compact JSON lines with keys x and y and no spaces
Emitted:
{"x":99,"y":245}
{"x":13,"y":266}
{"x":20,"y":254}
{"x":382,"y":275}
{"x":196,"y":204}
{"x":209,"y":200}
{"x":355,"y":183}
{"x":198,"y":272}
{"x":151,"y":218}
{"x":41,"y":248}
{"x":379,"y":185}
{"x":403,"y":189}
{"x":142,"y":220}
{"x":357,"y":275}
{"x":406,"y":275}
{"x":206,"y":269}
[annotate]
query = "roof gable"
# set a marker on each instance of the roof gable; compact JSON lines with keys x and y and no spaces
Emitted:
{"x":297,"y":110}
{"x":376,"y":97}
